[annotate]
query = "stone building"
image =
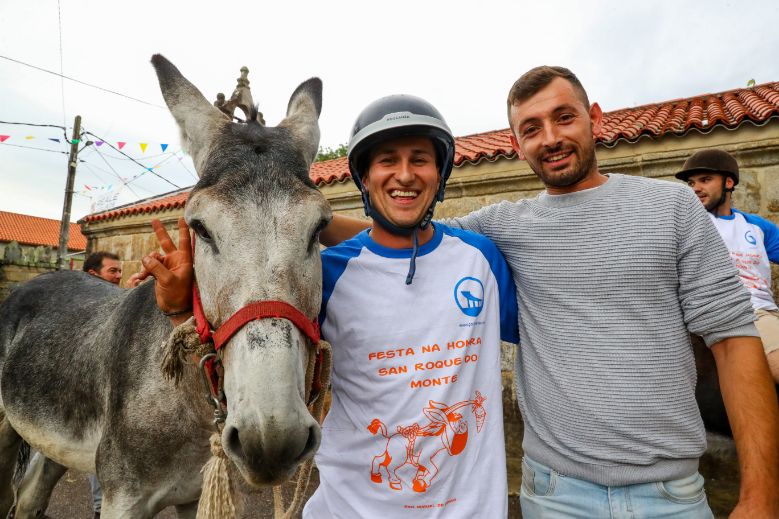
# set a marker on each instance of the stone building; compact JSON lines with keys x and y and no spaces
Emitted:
{"x":28,"y":247}
{"x":652,"y":140}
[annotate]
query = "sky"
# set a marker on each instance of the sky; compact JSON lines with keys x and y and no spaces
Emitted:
{"x":460,"y":55}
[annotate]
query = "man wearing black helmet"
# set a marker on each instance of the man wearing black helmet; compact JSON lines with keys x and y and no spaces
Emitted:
{"x":415,"y":313}
{"x":753,"y":241}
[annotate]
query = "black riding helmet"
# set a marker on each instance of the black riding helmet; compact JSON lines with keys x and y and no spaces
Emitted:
{"x":710,"y":161}
{"x":393,"y":117}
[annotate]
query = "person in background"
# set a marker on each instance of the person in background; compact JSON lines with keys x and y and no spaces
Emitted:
{"x":753,"y":241}
{"x":105,"y":265}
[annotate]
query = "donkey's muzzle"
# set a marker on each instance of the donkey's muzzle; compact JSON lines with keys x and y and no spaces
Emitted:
{"x":269,"y":457}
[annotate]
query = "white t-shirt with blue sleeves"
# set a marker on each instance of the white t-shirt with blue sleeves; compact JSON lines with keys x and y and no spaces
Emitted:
{"x":753,"y":243}
{"x":416,"y":423}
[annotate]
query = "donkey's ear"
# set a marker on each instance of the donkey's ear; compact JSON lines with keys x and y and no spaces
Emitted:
{"x":198,"y":120}
{"x":302,"y":119}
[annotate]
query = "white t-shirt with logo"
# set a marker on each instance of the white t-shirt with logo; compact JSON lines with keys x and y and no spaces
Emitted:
{"x":753,"y":243}
{"x":416,"y":423}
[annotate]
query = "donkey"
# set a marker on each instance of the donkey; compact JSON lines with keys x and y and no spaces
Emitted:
{"x":80,"y":376}
{"x":419,"y":445}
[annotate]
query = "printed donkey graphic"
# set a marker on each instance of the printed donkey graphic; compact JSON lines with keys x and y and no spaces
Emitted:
{"x":419,"y":445}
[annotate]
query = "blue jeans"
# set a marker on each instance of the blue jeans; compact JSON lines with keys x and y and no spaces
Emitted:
{"x":97,"y":493}
{"x":546,"y":494}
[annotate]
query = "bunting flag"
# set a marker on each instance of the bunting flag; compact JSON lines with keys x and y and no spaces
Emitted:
{"x":119,"y":144}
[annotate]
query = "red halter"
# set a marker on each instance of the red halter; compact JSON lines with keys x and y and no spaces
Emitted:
{"x":252,"y":312}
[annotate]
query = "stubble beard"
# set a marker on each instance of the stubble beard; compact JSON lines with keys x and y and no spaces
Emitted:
{"x":569,"y":178}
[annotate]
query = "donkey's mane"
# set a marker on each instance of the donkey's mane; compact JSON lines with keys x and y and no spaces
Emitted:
{"x":249,"y":158}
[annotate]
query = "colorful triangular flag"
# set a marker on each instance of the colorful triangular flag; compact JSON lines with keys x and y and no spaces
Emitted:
{"x":143,"y":146}
{"x":4,"y":138}
{"x":74,"y":141}
{"x":30,"y":137}
{"x":164,"y":147}
{"x":53,"y":139}
{"x":98,"y":143}
{"x":120,"y":144}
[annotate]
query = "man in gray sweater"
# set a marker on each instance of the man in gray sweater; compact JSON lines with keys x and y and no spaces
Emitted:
{"x":612,"y":272}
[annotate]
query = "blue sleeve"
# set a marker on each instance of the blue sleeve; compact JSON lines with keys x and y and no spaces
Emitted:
{"x":334,"y":262}
{"x":509,"y":316}
{"x":770,"y":234}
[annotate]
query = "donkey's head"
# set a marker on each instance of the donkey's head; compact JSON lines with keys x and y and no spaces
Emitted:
{"x":257,"y":217}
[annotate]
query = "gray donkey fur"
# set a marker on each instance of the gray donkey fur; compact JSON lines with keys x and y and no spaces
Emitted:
{"x":80,"y":376}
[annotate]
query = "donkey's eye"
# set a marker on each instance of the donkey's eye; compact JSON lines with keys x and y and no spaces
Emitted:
{"x":313,"y":244}
{"x":201,"y":231}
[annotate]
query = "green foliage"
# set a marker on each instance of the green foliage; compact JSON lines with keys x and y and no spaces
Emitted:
{"x":750,"y":83}
{"x":329,"y":153}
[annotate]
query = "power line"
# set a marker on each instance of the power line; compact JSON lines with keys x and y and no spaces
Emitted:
{"x":33,"y":124}
{"x":117,"y":175}
{"x":33,"y":148}
{"x":132,"y":159}
{"x":82,"y":82}
{"x":181,"y":161}
{"x":62,"y":80}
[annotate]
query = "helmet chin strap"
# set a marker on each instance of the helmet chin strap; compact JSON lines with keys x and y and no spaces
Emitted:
{"x":412,"y":230}
{"x":723,"y":196}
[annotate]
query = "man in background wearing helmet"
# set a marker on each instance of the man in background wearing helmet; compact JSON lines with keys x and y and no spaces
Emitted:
{"x":753,"y":241}
{"x":415,"y":313}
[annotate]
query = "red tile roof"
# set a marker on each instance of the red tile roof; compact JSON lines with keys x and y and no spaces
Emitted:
{"x":32,"y":230}
{"x":700,"y":113}
{"x":155,"y":204}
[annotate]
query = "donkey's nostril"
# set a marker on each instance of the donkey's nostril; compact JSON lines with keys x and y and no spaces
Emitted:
{"x":233,"y":443}
{"x":312,"y":442}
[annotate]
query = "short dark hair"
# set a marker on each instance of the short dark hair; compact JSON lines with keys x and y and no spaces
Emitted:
{"x":95,"y":260}
{"x":535,"y":79}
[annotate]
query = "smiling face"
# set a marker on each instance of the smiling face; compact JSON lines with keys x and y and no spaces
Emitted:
{"x":553,"y":130}
{"x":402,"y":179}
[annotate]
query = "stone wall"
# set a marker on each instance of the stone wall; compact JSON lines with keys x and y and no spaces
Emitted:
{"x":19,"y":263}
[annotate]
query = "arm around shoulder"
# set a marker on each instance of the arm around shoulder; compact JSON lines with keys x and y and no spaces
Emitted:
{"x":342,"y":228}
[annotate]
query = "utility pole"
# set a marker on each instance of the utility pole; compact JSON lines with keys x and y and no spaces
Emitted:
{"x":62,"y":250}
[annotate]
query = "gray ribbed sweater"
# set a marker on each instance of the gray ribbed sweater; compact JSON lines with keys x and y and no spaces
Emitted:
{"x":609,"y":281}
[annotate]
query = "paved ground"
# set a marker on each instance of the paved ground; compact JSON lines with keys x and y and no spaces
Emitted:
{"x":72,"y":500}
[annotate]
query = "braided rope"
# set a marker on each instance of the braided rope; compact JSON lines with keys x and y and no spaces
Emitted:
{"x":181,"y":344}
{"x":317,"y":411}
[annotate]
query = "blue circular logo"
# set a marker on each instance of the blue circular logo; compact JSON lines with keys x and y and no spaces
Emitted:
{"x":749,"y":238}
{"x":469,"y":296}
